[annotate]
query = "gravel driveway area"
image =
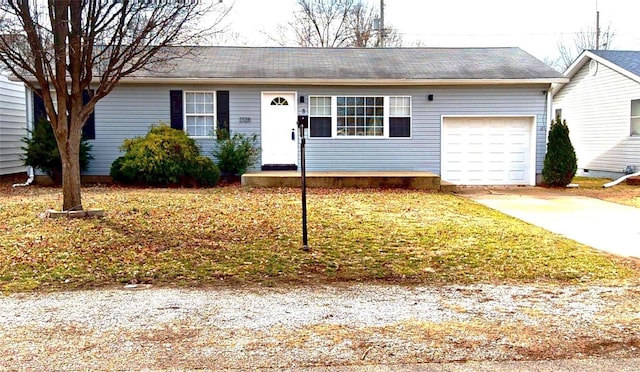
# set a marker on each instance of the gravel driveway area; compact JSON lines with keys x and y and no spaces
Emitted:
{"x":294,"y":327}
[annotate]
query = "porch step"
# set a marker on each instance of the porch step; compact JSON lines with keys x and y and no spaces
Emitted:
{"x":406,"y":180}
{"x":446,"y":186}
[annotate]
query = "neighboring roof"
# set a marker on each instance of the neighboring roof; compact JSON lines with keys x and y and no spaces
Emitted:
{"x":626,"y":62}
{"x":626,"y":59}
{"x":356,"y":66}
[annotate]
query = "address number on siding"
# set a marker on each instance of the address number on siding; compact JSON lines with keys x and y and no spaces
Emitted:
{"x":245,"y":119}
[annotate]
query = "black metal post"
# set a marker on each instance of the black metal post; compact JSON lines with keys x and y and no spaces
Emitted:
{"x":305,"y":243}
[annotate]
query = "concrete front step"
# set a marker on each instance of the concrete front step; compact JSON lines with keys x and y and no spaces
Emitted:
{"x":406,"y":180}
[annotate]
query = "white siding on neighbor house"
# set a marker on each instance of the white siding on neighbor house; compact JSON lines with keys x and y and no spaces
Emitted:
{"x":129,"y":111}
{"x":12,"y":126}
{"x":597,"y":109}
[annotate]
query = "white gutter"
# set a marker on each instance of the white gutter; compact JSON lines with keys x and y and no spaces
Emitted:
{"x":328,"y":82}
{"x":336,"y":82}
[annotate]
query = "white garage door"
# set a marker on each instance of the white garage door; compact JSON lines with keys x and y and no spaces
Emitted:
{"x":487,"y":151}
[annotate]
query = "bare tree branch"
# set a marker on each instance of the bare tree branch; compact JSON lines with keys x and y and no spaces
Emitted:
{"x":333,"y":24}
{"x":583,"y":40}
{"x":62,"y":48}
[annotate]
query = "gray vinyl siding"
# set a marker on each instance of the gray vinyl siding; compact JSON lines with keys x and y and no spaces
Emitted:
{"x":421,"y":152}
{"x":129,"y":111}
{"x":597,"y":109}
{"x":12,"y":126}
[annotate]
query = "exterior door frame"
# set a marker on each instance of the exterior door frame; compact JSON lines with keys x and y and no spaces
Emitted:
{"x":264,"y":125}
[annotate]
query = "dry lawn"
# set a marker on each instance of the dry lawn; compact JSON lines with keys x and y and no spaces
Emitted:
{"x":621,"y":193}
{"x":237,"y":235}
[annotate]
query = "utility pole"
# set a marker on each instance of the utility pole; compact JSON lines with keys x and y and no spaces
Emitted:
{"x":381,"y":26}
{"x":597,"y":26}
{"x":597,"y":29}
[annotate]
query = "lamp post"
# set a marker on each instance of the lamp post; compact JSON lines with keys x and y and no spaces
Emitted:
{"x":303,"y":173}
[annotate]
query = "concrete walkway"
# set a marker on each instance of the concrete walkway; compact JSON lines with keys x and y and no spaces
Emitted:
{"x":606,"y":226}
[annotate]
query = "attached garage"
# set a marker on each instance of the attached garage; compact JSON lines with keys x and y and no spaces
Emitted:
{"x":488,"y":150}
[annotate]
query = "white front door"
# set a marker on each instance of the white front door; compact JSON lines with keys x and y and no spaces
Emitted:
{"x":279,"y":129}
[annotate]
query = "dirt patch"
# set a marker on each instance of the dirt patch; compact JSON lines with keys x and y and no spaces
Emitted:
{"x":297,"y":327}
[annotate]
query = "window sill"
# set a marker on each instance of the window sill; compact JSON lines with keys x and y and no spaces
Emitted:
{"x":201,"y":137}
{"x":362,"y":138}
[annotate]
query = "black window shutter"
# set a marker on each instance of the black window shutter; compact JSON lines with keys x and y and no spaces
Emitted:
{"x":89,"y":128}
{"x":399,"y":127}
{"x":175,"y":97}
{"x":320,"y":127}
{"x":222,"y":109}
{"x":39,"y":112}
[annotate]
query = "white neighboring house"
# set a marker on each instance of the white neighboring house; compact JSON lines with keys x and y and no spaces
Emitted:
{"x":12,"y":126}
{"x":601,"y":103}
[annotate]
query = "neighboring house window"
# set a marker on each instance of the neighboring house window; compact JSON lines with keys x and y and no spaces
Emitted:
{"x":635,"y":117}
{"x":200,"y":114}
{"x":399,"y":116}
{"x":320,"y":116}
{"x":360,"y":116}
{"x":558,"y":113}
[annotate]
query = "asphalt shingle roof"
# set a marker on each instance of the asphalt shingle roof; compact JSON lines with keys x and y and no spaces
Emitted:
{"x":357,"y":64}
{"x":627,"y":59}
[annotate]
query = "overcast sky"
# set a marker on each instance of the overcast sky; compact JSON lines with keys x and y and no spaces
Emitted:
{"x":535,"y":25}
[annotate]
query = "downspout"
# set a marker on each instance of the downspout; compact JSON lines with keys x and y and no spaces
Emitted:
{"x":29,"y":120}
{"x":30,"y":174}
{"x":550,"y":116}
{"x":613,"y":183}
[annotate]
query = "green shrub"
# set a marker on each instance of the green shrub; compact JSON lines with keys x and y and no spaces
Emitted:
{"x":204,"y":172}
{"x":235,"y":154}
{"x":560,"y":163}
{"x":41,"y":151}
{"x":164,"y":156}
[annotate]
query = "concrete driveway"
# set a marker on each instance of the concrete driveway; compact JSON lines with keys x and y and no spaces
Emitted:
{"x":602,"y":225}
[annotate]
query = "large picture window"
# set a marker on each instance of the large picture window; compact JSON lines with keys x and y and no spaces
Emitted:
{"x":360,"y":116}
{"x":635,"y":118}
{"x":200,"y":113}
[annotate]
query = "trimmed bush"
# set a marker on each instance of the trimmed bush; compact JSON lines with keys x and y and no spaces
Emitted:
{"x":235,"y":154}
{"x":560,"y":162}
{"x":164,"y":156}
{"x":204,"y":172}
{"x":41,"y":151}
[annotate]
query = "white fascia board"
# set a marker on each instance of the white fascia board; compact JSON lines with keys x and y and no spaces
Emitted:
{"x":583,"y":59}
{"x":340,"y":82}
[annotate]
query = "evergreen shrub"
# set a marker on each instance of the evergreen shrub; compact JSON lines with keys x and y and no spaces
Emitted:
{"x":560,"y":162}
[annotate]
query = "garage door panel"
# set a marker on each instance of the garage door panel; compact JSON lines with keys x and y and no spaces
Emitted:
{"x":487,"y":151}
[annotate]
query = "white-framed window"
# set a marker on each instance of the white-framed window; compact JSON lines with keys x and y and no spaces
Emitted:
{"x":635,"y":118}
{"x":367,"y":116}
{"x":320,"y":116}
{"x":200,"y":113}
{"x":400,"y":116}
{"x":360,"y":116}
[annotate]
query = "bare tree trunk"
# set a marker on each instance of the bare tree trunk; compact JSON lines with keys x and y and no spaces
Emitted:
{"x":70,"y":157}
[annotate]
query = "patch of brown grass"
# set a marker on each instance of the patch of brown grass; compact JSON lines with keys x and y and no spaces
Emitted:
{"x":621,"y":193}
{"x":237,"y":235}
